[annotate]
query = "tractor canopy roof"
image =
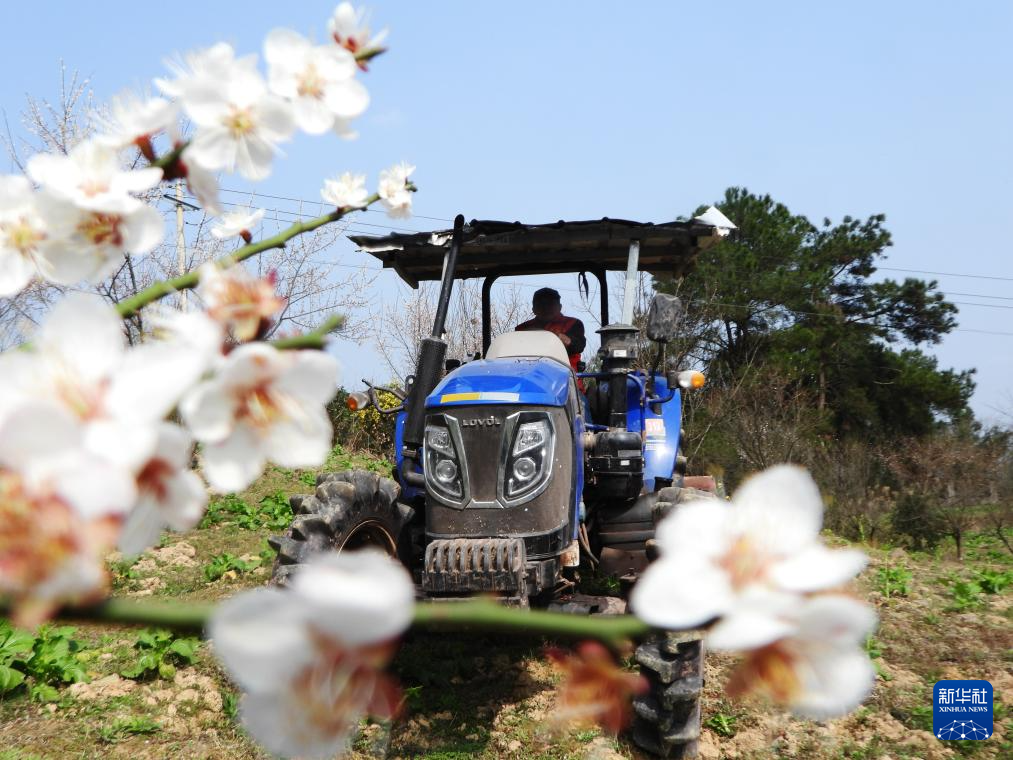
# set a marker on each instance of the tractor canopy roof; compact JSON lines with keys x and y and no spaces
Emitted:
{"x":513,"y":248}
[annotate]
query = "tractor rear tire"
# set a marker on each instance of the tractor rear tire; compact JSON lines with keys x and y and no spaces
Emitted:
{"x":354,"y":509}
{"x":666,"y":720}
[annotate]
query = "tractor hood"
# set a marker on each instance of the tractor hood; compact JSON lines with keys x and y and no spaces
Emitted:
{"x":539,"y":381}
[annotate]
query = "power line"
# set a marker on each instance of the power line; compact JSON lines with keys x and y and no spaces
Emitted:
{"x":951,"y":274}
{"x":304,"y":200}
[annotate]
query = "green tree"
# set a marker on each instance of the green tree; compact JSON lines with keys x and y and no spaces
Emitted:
{"x":798,"y":299}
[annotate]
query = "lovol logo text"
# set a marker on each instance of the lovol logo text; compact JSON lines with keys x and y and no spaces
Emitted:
{"x":489,"y":421}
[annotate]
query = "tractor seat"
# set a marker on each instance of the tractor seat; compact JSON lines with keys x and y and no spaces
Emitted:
{"x":528,"y":344}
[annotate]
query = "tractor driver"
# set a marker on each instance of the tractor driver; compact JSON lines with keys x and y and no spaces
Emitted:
{"x":548,"y":311}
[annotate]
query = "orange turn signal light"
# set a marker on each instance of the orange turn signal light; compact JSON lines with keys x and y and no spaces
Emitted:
{"x":356,"y":401}
{"x":691,"y":379}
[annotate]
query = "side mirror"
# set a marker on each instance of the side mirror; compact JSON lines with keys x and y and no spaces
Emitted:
{"x":663,"y":317}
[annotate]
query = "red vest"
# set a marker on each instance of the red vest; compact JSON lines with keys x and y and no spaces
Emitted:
{"x":559,"y":325}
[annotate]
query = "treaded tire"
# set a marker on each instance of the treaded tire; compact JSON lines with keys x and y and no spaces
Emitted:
{"x":349,"y":510}
{"x":666,"y":720}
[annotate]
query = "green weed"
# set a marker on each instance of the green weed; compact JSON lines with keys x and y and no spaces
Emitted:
{"x":893,"y":581}
{"x":15,"y":651}
{"x":722,"y":724}
{"x":160,"y":651}
{"x":993,"y":581}
{"x":225,"y":562}
{"x":966,"y":595}
{"x":55,"y":658}
{"x":133,"y":726}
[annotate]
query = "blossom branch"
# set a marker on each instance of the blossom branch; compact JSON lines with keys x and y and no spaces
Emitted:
{"x":483,"y":614}
{"x":313,"y":339}
{"x":131,"y":306}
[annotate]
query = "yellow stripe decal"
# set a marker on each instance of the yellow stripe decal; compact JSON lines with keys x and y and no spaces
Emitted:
{"x":448,"y":397}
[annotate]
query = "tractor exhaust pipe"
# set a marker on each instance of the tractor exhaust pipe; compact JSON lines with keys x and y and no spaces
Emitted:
{"x":433,"y":351}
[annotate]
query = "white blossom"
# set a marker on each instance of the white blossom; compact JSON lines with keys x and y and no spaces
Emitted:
{"x":79,"y":361}
{"x":90,"y":178}
{"x":87,"y":244}
{"x":23,"y":237}
{"x":309,"y":659}
{"x":319,"y":80}
{"x":60,"y":508}
{"x":203,"y":184}
{"x":394,"y":192}
{"x":238,"y":301}
{"x":200,"y":69}
{"x":239,"y":124}
{"x":346,"y":191}
{"x":744,"y":562}
{"x":819,"y":669}
{"x":350,"y":29}
{"x":263,"y":404}
{"x":132,"y":121}
{"x":237,"y":223}
{"x":170,"y":494}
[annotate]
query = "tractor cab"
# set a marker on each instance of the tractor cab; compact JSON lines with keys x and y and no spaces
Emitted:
{"x":510,"y":469}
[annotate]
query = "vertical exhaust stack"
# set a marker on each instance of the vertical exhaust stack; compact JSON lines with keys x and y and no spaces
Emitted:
{"x":432,"y":352}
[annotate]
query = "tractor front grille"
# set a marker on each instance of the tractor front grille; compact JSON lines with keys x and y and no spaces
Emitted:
{"x":467,"y":565}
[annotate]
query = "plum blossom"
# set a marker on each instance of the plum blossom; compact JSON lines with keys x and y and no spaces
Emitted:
{"x":80,"y":362}
{"x":743,"y":562}
{"x":239,"y":123}
{"x":133,"y":121}
{"x":346,"y":191}
{"x":200,"y":69}
{"x":319,"y":81}
{"x":203,"y":184}
{"x":394,"y":190}
{"x":90,"y":178}
{"x":309,"y":658}
{"x":87,"y":244}
{"x":263,"y":404}
{"x":820,"y":669}
{"x":238,"y":223}
{"x":350,"y":29}
{"x":595,"y":691}
{"x":60,"y":509}
{"x":169,"y":493}
{"x":24,"y":252}
{"x":241,"y":303}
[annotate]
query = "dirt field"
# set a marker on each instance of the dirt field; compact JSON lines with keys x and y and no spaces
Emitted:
{"x":492,"y":697}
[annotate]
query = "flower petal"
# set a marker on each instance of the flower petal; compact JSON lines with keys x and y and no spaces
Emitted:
{"x":680,"y":593}
{"x":232,"y":464}
{"x":782,"y":507}
{"x":834,"y":681}
{"x":817,"y":568}
{"x":304,"y":442}
{"x":260,"y":638}
{"x":359,"y":597}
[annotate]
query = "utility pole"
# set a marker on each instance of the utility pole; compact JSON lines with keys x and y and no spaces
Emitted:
{"x":180,"y":236}
{"x":180,"y":240}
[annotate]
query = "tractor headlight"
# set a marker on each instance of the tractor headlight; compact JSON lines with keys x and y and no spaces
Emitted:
{"x":529,"y":462}
{"x":442,"y":465}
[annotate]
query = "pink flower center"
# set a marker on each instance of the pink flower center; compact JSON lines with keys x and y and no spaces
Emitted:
{"x":743,"y":563}
{"x":153,"y":478}
{"x":102,"y":229}
{"x":311,"y":85}
{"x":239,"y":121}
{"x":343,"y":684}
{"x":771,"y":670}
{"x":38,"y":533}
{"x":22,"y":236}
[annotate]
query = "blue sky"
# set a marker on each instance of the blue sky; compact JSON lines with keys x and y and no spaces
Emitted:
{"x":540,"y":111}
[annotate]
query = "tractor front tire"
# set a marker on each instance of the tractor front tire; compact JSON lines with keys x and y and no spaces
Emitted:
{"x":354,"y":509}
{"x":666,"y":720}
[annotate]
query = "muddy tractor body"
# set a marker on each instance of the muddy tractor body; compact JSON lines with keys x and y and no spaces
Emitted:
{"x":511,"y":467}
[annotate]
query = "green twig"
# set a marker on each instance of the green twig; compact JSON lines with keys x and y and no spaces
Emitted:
{"x":130,"y":306}
{"x":473,"y":614}
{"x":313,"y":339}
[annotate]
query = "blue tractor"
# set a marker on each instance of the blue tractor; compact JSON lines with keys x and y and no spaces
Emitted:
{"x":513,"y":470}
